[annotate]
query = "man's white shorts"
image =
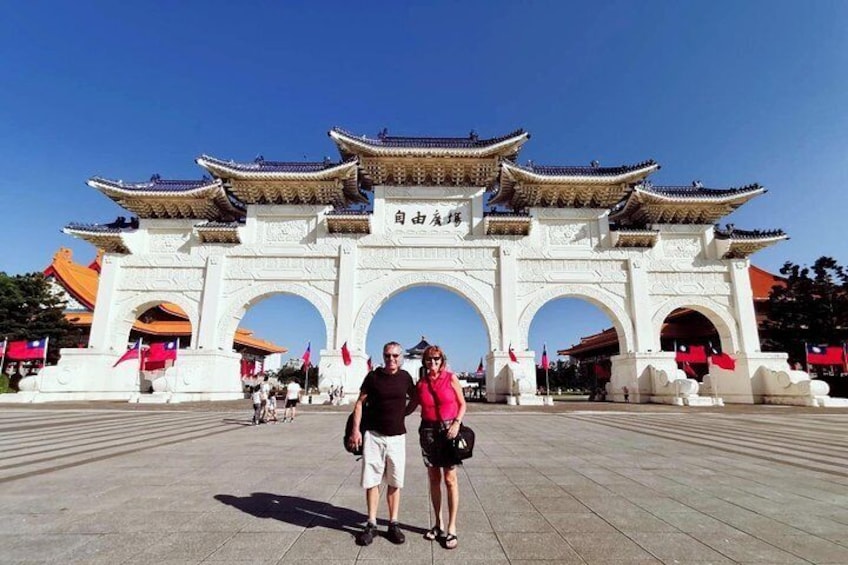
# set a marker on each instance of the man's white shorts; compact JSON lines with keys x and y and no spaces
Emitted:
{"x":383,"y":456}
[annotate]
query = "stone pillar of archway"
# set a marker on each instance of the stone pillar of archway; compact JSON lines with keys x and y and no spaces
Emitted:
{"x":207,"y":332}
{"x":640,"y":303}
{"x":331,"y":370}
{"x":743,"y":304}
{"x":500,"y":370}
{"x":99,"y":338}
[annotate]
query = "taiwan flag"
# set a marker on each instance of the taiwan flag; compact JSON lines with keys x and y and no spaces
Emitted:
{"x":722,"y":360}
{"x":134,"y":352}
{"x":370,"y":365}
{"x":163,"y":351}
{"x":346,"y":355}
{"x":512,"y":356}
{"x":480,"y":370}
{"x":22,"y":350}
{"x":691,"y":354}
{"x":545,"y":364}
{"x":819,"y":355}
{"x":307,"y":355}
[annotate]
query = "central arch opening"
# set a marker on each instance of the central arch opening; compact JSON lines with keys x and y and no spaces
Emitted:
{"x":273,"y":336}
{"x":439,"y":316}
{"x":580,"y":339}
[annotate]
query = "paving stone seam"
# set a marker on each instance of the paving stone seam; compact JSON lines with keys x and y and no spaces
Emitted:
{"x":104,"y":431}
{"x":111,"y":443}
{"x":109,"y":456}
{"x":799,"y":446}
{"x":719,"y":447}
{"x":795,"y":433}
{"x":63,"y":424}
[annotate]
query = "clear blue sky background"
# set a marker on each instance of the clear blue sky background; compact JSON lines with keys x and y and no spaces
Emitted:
{"x":726,"y":92}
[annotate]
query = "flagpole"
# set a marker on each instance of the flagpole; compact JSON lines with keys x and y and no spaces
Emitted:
{"x":806,"y":359}
{"x":43,"y":363}
{"x":3,"y":358}
{"x":140,"y":365}
{"x":547,"y":365}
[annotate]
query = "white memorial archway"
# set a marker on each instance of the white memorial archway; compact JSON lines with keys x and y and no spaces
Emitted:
{"x":400,"y":212}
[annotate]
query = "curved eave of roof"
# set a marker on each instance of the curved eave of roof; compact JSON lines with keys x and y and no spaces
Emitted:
{"x":159,"y":189}
{"x":675,"y":195}
{"x":108,"y":239}
{"x":128,"y":195}
{"x":599,"y":175}
{"x":271,"y":170}
{"x":507,"y":145}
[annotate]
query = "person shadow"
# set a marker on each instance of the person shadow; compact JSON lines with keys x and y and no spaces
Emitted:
{"x":304,"y":512}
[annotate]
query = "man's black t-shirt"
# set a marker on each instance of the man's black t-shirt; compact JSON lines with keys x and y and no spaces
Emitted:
{"x":385,"y":408}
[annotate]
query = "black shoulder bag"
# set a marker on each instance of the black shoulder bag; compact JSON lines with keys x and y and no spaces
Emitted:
{"x":462,"y":446}
{"x":349,"y":430}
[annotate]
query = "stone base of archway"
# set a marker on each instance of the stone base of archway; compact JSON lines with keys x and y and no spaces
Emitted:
{"x":89,"y":374}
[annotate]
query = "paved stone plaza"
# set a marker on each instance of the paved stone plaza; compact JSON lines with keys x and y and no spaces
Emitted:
{"x":579,"y":483}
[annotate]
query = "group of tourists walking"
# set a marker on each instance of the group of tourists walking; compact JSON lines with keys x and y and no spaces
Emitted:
{"x":387,"y":395}
{"x":264,"y":399}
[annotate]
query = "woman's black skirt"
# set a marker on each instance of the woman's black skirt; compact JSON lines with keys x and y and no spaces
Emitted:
{"x":434,"y":445}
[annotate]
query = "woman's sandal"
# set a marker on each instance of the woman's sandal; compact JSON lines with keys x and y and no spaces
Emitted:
{"x":451,"y":541}
{"x":434,"y":533}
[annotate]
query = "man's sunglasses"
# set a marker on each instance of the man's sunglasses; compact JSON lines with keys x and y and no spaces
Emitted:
{"x":395,"y":355}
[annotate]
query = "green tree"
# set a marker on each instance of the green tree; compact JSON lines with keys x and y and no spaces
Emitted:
{"x":811,"y":308}
{"x":29,"y":309}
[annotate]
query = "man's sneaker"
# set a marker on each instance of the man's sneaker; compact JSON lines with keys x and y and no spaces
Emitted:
{"x":366,"y":536}
{"x":394,"y":534}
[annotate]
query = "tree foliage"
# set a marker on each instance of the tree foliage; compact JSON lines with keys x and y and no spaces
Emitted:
{"x":30,"y":310}
{"x":811,"y":308}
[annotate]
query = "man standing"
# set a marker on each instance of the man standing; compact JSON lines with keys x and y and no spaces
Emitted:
{"x":386,"y":395}
{"x":292,"y":398}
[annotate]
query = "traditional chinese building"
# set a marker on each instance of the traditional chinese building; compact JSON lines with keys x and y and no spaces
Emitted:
{"x":395,"y":212}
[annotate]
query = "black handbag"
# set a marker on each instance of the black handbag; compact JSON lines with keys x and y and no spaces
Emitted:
{"x":461,"y":447}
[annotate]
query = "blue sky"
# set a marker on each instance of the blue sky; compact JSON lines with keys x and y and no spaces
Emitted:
{"x":726,"y":92}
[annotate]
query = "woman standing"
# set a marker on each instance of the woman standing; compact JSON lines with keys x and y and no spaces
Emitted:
{"x":442,"y":409}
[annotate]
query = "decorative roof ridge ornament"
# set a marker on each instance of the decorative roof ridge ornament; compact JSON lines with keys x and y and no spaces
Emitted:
{"x":730,"y":231}
{"x":260,"y":164}
{"x":699,"y":191}
{"x":155,"y":184}
{"x":505,"y":146}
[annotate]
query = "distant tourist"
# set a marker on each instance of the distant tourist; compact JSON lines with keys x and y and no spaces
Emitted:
{"x":256,"y":398}
{"x":271,"y":409}
{"x":293,"y":392}
{"x":386,"y":396}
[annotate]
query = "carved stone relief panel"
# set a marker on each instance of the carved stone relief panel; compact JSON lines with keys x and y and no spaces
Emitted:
{"x":284,"y":231}
{"x":583,"y":234}
{"x":281,"y":268}
{"x":427,"y":258}
{"x":144,"y":279}
{"x":676,"y":284}
{"x":571,"y":270}
{"x":164,"y":242}
{"x":681,"y":246}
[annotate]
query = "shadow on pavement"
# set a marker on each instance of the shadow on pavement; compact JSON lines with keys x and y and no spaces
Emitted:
{"x":303,"y":512}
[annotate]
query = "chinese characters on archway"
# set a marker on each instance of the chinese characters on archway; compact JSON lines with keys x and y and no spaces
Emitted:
{"x":433,"y":219}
